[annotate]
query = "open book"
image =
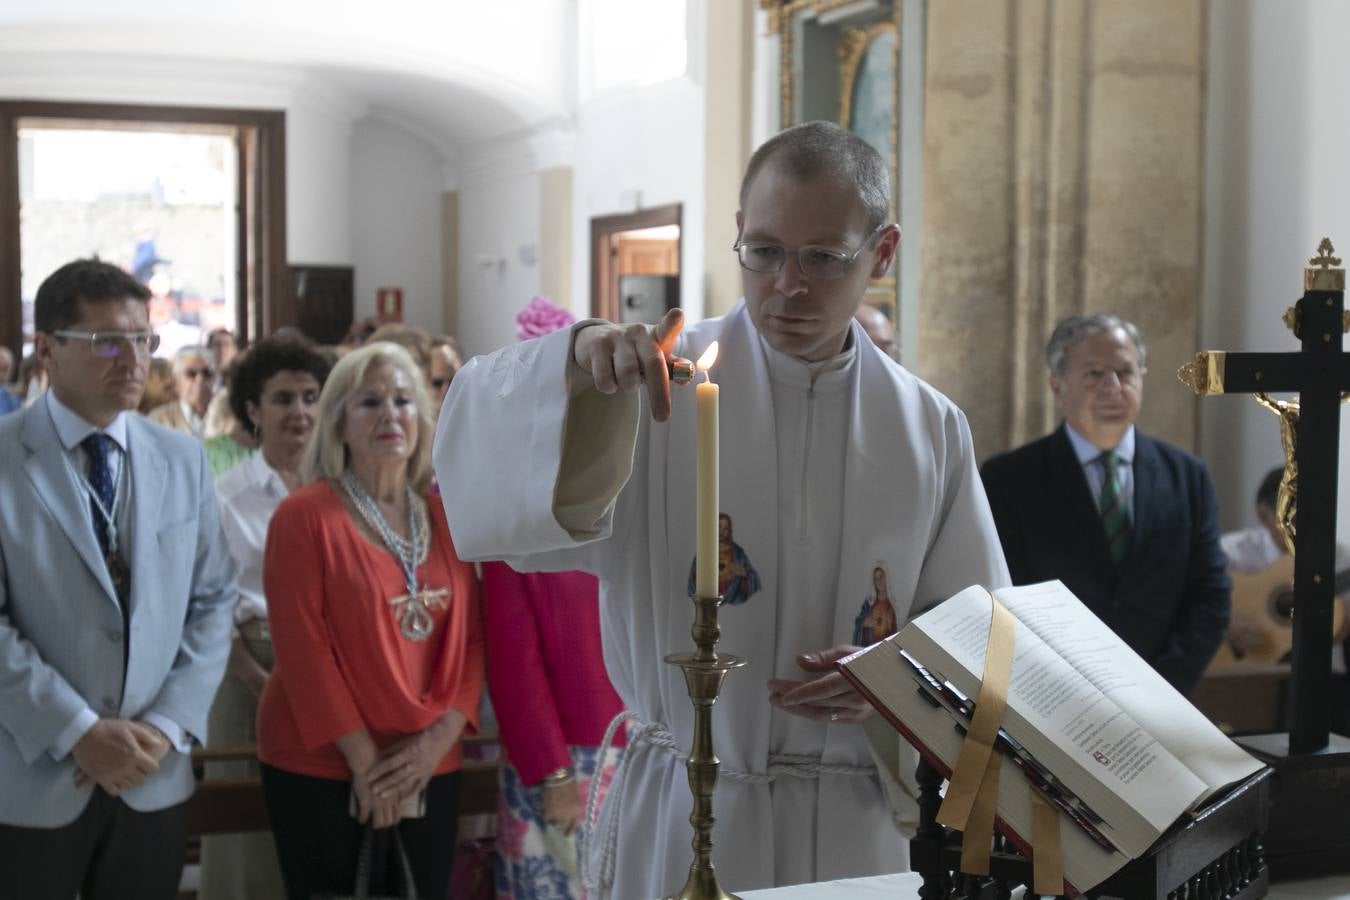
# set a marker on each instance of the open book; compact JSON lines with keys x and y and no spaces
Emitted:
{"x":1089,"y":725}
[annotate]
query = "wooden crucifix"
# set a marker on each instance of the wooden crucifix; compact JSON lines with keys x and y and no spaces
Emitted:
{"x":1310,"y":433}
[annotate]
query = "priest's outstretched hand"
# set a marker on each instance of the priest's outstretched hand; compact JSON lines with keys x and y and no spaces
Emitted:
{"x":829,"y":698}
{"x":624,"y":357}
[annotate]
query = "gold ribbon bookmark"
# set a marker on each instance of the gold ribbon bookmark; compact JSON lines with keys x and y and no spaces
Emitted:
{"x":971,"y":802}
{"x":972,"y":792}
{"x":1047,"y":859}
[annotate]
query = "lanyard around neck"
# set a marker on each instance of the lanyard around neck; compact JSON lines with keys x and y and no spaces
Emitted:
{"x":109,"y":516}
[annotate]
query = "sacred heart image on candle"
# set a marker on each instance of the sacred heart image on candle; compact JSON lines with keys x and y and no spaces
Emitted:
{"x":737,"y":578}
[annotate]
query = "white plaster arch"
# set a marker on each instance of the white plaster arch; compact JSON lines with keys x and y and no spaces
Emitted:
{"x":458,"y":74}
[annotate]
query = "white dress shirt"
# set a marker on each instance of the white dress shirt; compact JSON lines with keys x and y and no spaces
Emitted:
{"x":71,"y":428}
{"x":196,"y":423}
{"x":249,"y":494}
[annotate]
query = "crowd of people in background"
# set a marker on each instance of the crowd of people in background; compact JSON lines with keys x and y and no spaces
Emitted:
{"x":320,"y":459}
{"x":311,"y":567}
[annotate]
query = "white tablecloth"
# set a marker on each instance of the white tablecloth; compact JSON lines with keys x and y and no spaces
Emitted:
{"x":905,"y":886}
{"x":878,"y":887}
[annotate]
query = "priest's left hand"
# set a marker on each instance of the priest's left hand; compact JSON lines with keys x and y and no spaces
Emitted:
{"x":829,"y":698}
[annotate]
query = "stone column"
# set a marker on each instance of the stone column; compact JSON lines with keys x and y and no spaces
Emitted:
{"x":1062,"y":174}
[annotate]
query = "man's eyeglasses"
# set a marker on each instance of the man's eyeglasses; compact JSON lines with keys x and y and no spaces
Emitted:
{"x":193,"y":373}
{"x":814,"y":261}
{"x":109,"y":344}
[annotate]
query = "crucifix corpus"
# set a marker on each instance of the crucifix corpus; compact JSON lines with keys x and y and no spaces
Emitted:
{"x":1310,"y":431}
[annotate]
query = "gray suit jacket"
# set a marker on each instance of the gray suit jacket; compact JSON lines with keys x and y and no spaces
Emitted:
{"x":61,"y":630}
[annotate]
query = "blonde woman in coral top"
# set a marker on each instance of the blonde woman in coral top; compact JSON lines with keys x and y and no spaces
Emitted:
{"x":378,"y":643}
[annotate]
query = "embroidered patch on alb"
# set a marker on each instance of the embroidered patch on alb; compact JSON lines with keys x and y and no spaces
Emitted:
{"x":509,"y":364}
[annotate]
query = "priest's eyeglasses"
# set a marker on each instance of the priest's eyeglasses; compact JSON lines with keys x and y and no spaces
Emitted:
{"x":109,"y":344}
{"x":813,"y":261}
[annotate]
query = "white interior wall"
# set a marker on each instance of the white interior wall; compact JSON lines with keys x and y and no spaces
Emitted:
{"x":396,"y":181}
{"x":499,"y":270}
{"x":643,"y":147}
{"x":318,"y":166}
{"x":1276,"y":183}
{"x":455,"y":57}
{"x":365,"y":195}
{"x":318,"y":124}
{"x":637,"y":150}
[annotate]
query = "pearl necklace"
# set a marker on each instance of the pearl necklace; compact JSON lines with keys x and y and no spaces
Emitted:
{"x":413,"y":609}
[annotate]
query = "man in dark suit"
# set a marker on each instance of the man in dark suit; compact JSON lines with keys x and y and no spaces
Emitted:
{"x":116,"y":605}
{"x":1128,"y":523}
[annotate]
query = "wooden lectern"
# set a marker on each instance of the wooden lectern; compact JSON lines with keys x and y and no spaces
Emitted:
{"x":1216,"y":855}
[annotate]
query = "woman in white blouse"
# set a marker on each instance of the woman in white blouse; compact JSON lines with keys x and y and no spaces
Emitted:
{"x":274,"y":391}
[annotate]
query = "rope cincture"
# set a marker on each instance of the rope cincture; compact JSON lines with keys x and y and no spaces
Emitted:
{"x":658,"y":736}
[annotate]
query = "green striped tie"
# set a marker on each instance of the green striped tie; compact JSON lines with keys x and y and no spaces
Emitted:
{"x":1115,"y":518}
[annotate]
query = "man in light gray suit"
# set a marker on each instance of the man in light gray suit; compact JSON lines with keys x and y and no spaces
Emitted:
{"x":116,"y":596}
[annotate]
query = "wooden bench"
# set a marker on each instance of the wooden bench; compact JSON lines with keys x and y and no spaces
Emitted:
{"x":1244,"y":700}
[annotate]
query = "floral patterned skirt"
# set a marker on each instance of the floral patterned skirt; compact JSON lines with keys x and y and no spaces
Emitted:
{"x":535,"y":860}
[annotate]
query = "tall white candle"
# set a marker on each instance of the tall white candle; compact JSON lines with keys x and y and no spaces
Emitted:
{"x":706,"y":404}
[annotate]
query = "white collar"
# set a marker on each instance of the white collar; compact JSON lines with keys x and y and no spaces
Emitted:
{"x":261,"y":475}
{"x":1088,"y":452}
{"x":827,"y":374}
{"x":195,"y":422}
{"x":72,"y":428}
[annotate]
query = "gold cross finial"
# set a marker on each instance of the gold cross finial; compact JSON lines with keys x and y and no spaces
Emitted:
{"x":1324,"y":258}
{"x":1323,"y":273}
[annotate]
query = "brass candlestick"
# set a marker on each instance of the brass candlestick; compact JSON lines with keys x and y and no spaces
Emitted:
{"x":703,"y":674}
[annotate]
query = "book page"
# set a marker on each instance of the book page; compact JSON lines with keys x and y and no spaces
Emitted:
{"x":1057,"y":617}
{"x":1098,"y":751}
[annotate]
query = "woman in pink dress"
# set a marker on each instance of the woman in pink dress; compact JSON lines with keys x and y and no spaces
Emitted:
{"x":553,"y":700}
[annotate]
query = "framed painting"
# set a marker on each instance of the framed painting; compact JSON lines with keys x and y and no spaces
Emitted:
{"x":867,"y":80}
{"x":840,"y":61}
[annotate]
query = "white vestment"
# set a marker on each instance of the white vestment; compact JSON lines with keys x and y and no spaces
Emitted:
{"x":828,"y":473}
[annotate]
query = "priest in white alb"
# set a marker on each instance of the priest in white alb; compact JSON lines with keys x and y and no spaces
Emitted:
{"x":842,"y":475}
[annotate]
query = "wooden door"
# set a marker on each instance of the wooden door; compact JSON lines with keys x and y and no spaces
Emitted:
{"x":643,"y":256}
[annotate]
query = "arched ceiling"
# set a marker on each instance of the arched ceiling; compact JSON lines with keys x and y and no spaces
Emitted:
{"x":460,"y":73}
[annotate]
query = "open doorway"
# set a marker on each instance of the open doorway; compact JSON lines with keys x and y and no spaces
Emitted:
{"x":190,"y":200}
{"x":635,"y":265}
{"x":160,"y":204}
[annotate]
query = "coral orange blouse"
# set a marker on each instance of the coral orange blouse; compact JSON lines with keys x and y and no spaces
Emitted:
{"x":341,"y":661}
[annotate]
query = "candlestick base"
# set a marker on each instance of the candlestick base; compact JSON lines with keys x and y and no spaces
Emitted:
{"x":703,"y":671}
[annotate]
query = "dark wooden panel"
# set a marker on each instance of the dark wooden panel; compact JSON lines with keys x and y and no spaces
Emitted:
{"x":1243,"y":700}
{"x":323,"y":301}
{"x":130,"y":112}
{"x":1309,"y":835}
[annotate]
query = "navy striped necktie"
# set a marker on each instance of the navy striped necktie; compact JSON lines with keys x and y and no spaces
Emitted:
{"x":1111,"y":506}
{"x":98,"y":446}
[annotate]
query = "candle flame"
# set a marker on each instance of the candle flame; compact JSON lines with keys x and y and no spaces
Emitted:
{"x":707,"y":359}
